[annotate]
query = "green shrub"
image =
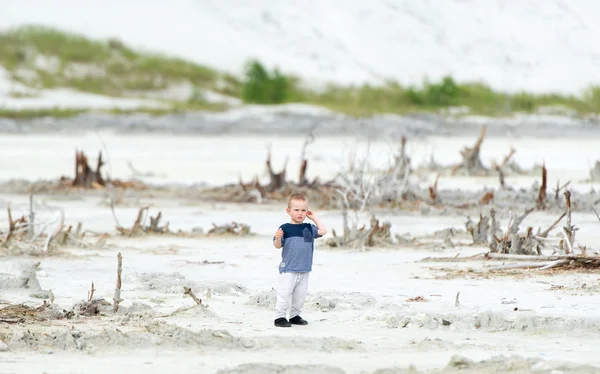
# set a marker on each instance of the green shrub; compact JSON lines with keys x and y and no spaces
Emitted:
{"x":591,"y":97}
{"x":262,"y":87}
{"x":124,"y":69}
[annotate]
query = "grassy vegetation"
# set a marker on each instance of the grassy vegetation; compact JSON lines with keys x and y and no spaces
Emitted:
{"x":35,"y":113}
{"x":53,"y":58}
{"x":24,"y":114}
{"x":258,"y":87}
{"x":106,"y":67}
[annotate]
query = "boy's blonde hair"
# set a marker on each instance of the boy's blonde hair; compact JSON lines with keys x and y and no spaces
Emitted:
{"x":296,"y":197}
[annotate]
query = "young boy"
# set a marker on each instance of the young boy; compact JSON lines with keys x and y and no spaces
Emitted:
{"x":297,"y":240}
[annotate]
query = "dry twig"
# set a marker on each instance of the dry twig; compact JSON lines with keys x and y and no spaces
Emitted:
{"x":188,"y":291}
{"x":117,"y":298}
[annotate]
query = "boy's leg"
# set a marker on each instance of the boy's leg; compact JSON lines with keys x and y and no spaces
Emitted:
{"x":299,"y":294}
{"x":285,"y":287}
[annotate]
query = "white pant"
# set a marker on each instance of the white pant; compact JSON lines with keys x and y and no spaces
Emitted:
{"x":291,"y":291}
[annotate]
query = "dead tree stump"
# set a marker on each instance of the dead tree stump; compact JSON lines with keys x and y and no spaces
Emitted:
{"x":433,"y":191}
{"x":310,"y":138}
{"x":479,"y":231}
{"x":471,"y":161}
{"x":541,"y":200}
{"x":569,"y":229}
{"x":277,"y":180}
{"x":85,"y":176}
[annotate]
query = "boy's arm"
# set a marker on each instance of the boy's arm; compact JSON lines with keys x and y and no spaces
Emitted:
{"x":278,"y":239}
{"x":321,"y":229}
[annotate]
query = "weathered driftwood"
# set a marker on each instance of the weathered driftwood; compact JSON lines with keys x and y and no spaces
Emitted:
{"x":361,"y":188}
{"x":471,"y":164}
{"x":479,"y":231}
{"x":541,"y":199}
{"x":276,"y":180}
{"x":518,"y":244}
{"x":525,"y":249}
{"x":139,"y":227}
{"x":433,"y":192}
{"x":21,"y":235}
{"x":85,"y":176}
{"x":595,"y":171}
{"x":92,"y":307}
{"x":559,"y":188}
{"x":91,"y":293}
{"x":12,"y":228}
{"x":456,"y":258}
{"x":512,"y":241}
{"x":544,"y":234}
{"x":302,"y":179}
{"x":188,"y":291}
{"x":569,"y":230}
{"x":117,"y":298}
{"x":487,"y":198}
{"x":31,"y":228}
{"x":487,"y":230}
{"x":233,"y":228}
{"x":516,"y":261}
{"x":507,"y":166}
{"x":549,"y":262}
{"x":254,"y":191}
{"x":401,"y":165}
{"x":377,"y":235}
{"x":21,"y":313}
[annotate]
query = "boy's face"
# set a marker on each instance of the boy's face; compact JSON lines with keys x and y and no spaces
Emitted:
{"x":297,"y":210}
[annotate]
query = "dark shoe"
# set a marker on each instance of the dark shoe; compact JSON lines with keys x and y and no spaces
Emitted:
{"x":298,"y":321}
{"x":282,"y":322}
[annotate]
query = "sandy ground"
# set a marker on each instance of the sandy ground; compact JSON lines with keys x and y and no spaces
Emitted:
{"x":215,"y":160}
{"x":361,"y":309}
{"x":360,"y":319}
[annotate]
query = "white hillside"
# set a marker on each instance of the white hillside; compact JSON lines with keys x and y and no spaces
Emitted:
{"x":533,"y":45}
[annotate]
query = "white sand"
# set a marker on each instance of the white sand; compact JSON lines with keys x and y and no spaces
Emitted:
{"x":369,"y":290}
{"x":216,"y":160}
{"x":367,"y":323}
{"x":511,"y":45}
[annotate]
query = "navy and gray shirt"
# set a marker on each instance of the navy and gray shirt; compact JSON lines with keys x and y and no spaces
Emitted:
{"x":298,"y":246}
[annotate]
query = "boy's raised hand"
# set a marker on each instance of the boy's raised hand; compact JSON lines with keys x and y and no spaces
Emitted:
{"x":279,"y":234}
{"x":310,"y":215}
